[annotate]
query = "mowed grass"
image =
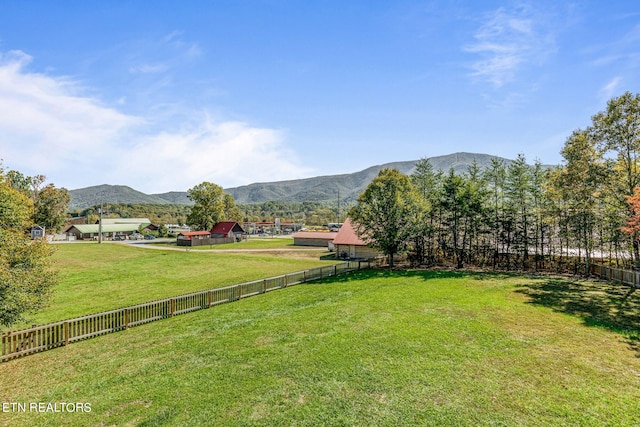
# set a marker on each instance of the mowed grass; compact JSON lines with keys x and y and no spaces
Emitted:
{"x":256,"y":243}
{"x":373,"y":348}
{"x":96,"y":278}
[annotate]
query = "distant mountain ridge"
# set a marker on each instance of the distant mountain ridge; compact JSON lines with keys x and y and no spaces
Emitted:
{"x":347,"y":187}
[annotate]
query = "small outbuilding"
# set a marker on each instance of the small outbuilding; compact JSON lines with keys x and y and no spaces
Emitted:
{"x":349,"y":246}
{"x":194,"y":238}
{"x":227,"y":230}
{"x":37,"y":232}
{"x":314,"y":238}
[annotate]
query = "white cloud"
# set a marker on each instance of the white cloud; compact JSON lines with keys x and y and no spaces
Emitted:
{"x":624,"y":52}
{"x":188,"y":49}
{"x":610,"y":89}
{"x":43,"y":120}
{"x":506,"y":42}
{"x":227,"y":153}
{"x":148,"y":68}
{"x":49,"y":126}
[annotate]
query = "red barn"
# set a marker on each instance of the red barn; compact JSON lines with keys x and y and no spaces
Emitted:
{"x":226,"y":229}
{"x":194,"y":238}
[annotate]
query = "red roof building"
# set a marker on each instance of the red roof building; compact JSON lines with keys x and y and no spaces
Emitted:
{"x":193,"y":238}
{"x":189,"y":235}
{"x":227,"y":229}
{"x":349,"y":245}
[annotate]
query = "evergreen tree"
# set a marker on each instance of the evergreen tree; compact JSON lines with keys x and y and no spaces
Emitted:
{"x":519,"y":206}
{"x":495,"y":176}
{"x":453,"y":204}
{"x":427,"y":183}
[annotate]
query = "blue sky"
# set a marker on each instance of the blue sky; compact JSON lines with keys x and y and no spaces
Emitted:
{"x":162,"y":95}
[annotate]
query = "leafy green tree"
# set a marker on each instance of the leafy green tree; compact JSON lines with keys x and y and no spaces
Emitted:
{"x":211,"y":205}
{"x":208,"y":208}
{"x":20,"y":182}
{"x":617,"y":130}
{"x":231,"y":210}
{"x":26,"y":276}
{"x":386,"y":212}
{"x":579,"y":183}
{"x":16,"y":209}
{"x":50,"y":207}
{"x":163,"y":231}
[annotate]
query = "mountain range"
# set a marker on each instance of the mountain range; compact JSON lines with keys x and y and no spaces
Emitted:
{"x":345,"y":187}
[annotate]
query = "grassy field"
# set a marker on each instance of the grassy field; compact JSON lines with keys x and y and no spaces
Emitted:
{"x":368,"y":349}
{"x":97,"y":277}
{"x":256,"y":243}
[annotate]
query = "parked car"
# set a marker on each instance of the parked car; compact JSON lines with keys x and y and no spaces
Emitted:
{"x":136,"y":236}
{"x":119,"y":237}
{"x":149,"y":237}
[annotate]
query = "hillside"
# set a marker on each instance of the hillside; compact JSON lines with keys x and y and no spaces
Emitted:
{"x":322,"y":188}
{"x":348,"y":185}
{"x":175,"y":197}
{"x":92,"y":196}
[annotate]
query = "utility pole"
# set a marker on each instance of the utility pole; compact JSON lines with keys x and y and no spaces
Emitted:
{"x":100,"y":224}
{"x":339,"y":205}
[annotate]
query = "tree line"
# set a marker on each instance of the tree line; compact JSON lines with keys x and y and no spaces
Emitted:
{"x":27,"y":276}
{"x":508,"y":215}
{"x":309,"y":212}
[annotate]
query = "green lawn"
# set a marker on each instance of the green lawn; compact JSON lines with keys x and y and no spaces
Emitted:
{"x":97,"y":277}
{"x":257,"y":243}
{"x":368,"y":349}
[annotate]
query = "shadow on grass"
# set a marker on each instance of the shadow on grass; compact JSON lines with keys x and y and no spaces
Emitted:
{"x":611,"y":306}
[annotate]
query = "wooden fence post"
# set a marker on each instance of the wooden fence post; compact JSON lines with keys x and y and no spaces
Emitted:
{"x":126,"y":317}
{"x":264,"y":286}
{"x":66,"y":333}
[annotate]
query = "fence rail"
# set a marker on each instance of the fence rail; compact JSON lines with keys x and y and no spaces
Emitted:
{"x":626,"y":277}
{"x":40,"y":338}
